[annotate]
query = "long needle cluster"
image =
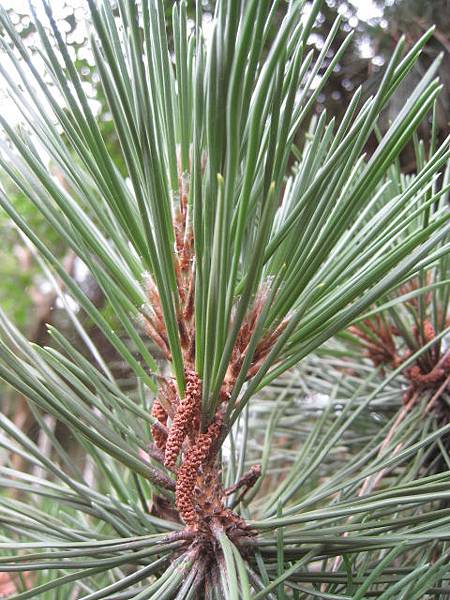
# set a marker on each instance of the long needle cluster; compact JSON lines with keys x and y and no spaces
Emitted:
{"x":177,"y":431}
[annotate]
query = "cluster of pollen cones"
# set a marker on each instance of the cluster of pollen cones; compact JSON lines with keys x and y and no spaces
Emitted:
{"x":179,"y":442}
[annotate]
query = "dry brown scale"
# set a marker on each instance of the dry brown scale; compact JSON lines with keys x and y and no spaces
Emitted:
{"x":380,"y":346}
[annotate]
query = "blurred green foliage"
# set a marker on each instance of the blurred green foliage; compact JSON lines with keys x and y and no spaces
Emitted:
{"x":18,"y":270}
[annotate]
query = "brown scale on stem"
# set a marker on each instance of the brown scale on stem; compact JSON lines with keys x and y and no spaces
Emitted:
{"x":246,"y":481}
{"x":159,"y":340}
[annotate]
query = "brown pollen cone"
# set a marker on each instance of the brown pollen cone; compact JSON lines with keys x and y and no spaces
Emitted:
{"x":189,"y":470}
{"x":184,"y":419}
{"x":159,"y":436}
